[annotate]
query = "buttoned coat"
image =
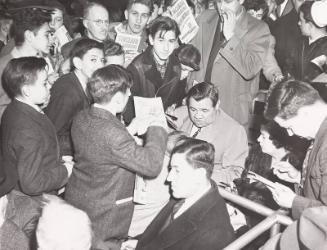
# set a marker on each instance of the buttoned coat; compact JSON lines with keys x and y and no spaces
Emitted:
{"x":30,"y":147}
{"x":236,"y":68}
{"x":315,"y":183}
{"x":147,"y":81}
{"x":67,"y":99}
{"x":107,"y":158}
{"x":205,"y":225}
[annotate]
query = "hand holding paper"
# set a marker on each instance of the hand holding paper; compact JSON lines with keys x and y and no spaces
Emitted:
{"x":283,"y":195}
{"x":286,"y":171}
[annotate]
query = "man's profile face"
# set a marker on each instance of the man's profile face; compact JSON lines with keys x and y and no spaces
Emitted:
{"x":304,"y":25}
{"x":182,"y":177}
{"x":137,"y":17}
{"x":41,"y":41}
{"x":202,"y":112}
{"x":297,"y":125}
{"x":164,"y":43}
{"x":97,"y":23}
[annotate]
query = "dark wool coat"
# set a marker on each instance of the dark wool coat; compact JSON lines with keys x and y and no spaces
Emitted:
{"x":205,"y":225}
{"x":30,"y":147}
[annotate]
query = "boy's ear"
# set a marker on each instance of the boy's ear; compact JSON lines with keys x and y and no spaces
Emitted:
{"x":151,"y":40}
{"x":85,"y":23}
{"x":28,"y":35}
{"x":126,"y":14}
{"x":25,"y":91}
{"x":77,"y":62}
{"x":217,"y":105}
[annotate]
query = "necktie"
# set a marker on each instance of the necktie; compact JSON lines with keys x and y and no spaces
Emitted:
{"x":170,"y":218}
{"x":196,"y":133}
{"x":176,"y":207}
{"x":305,"y":165}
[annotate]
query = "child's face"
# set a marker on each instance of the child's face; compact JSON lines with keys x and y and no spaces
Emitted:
{"x":57,"y":19}
{"x":39,"y":92}
{"x":40,"y":40}
{"x":91,"y":61}
{"x":164,"y":43}
{"x":137,"y":17}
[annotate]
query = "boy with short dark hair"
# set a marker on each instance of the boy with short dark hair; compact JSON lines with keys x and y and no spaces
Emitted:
{"x":156,"y":72}
{"x":28,"y":138}
{"x":69,"y":94}
{"x":30,"y":31}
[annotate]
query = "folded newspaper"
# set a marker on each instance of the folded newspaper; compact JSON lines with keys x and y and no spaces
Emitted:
{"x":144,"y":108}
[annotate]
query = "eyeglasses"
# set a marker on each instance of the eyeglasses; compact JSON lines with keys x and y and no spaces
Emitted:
{"x":99,"y":22}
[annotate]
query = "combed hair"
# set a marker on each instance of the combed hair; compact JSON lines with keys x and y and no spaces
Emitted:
{"x":112,"y":48}
{"x":19,"y":72}
{"x":83,"y":46}
{"x":174,"y":137}
{"x":28,"y":19}
{"x":286,"y":98}
{"x":163,"y":24}
{"x":148,"y":3}
{"x":107,"y":81}
{"x":198,"y":153}
{"x":203,"y":90}
{"x":62,"y":226}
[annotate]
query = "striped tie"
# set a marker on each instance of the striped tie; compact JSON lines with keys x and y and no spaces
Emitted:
{"x":196,"y":133}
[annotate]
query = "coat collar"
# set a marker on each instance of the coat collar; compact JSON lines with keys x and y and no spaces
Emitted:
{"x":78,"y":86}
{"x":185,"y":224}
{"x":152,"y":74}
{"x":104,"y":114}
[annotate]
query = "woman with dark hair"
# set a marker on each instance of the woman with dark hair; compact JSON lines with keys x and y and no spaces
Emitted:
{"x":108,"y":158}
{"x":275,"y":145}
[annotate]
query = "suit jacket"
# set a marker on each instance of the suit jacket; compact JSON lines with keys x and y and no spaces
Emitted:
{"x":147,"y":81}
{"x":107,"y":158}
{"x":236,"y":68}
{"x":67,"y":99}
{"x":315,"y":184}
{"x":205,"y":225}
{"x":30,"y":146}
{"x":229,"y":139}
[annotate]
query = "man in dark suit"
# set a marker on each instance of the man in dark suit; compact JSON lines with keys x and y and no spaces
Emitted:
{"x":198,"y":218}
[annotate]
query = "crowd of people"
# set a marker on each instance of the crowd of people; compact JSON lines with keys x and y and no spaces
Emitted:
{"x":81,"y":169}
